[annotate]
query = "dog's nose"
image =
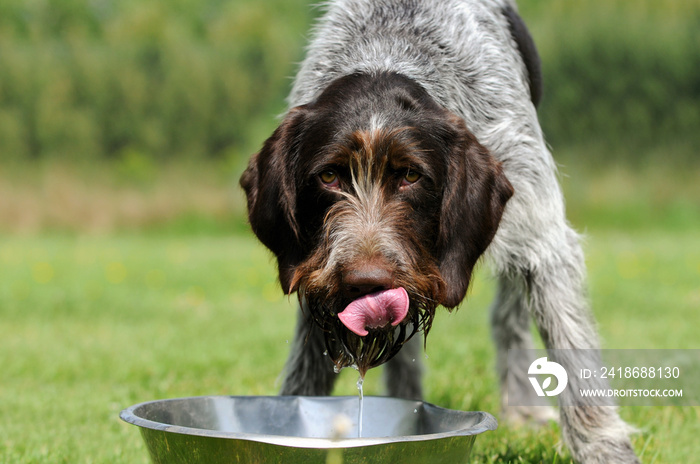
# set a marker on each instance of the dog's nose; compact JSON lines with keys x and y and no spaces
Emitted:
{"x":366,"y":279}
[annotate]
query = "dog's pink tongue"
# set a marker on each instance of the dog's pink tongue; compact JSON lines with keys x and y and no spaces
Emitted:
{"x":375,"y":310}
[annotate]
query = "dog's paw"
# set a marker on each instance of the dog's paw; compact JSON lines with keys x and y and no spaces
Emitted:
{"x":606,"y":442}
{"x":606,"y":451}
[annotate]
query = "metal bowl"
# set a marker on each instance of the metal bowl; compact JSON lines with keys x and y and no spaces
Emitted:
{"x":296,"y":429}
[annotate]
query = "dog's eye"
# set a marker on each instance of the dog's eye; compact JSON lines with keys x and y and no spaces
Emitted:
{"x":329,"y":177}
{"x":411,"y":177}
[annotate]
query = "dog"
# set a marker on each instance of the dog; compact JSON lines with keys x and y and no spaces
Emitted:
{"x":411,"y":148}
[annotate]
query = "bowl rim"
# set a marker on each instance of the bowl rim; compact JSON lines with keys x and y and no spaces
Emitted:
{"x":486,"y":422}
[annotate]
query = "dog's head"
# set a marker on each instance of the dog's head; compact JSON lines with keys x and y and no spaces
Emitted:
{"x":377,"y":203}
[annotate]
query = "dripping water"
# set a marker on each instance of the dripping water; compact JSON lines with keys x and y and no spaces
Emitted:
{"x":360,"y":411}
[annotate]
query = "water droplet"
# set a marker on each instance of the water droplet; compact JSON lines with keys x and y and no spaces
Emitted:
{"x":415,"y":411}
{"x":325,"y":353}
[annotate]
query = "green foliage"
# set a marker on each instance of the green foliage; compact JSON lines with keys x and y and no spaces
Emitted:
{"x":85,"y":80}
{"x":92,"y":79}
{"x":621,"y":77}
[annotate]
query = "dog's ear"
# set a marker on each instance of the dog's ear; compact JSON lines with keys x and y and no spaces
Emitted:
{"x":475,"y":194}
{"x":270,"y":187}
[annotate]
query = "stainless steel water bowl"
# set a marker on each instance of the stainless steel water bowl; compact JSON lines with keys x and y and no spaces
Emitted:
{"x":296,"y":429}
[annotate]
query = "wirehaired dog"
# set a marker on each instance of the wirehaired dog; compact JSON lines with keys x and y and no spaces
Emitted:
{"x":412,"y":148}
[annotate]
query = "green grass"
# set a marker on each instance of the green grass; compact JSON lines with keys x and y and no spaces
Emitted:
{"x":92,"y":325}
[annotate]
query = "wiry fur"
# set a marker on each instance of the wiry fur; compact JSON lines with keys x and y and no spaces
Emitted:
{"x":367,"y":226}
{"x":475,"y":59}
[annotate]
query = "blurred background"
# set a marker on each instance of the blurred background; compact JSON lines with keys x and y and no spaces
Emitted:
{"x":142,"y":113}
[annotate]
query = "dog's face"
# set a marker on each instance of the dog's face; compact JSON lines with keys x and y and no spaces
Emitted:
{"x":377,"y":203}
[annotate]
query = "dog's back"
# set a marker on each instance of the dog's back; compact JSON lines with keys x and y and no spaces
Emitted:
{"x":460,"y":51}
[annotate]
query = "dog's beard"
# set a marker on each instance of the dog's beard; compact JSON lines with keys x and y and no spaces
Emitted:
{"x":318,"y":284}
{"x":346,"y":348}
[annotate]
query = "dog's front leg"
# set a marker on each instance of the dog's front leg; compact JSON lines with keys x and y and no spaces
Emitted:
{"x":403,"y":373}
{"x":542,"y":274}
{"x":595,"y":434}
{"x":308,"y":371}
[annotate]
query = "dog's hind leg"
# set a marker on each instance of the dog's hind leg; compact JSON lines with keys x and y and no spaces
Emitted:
{"x":510,"y":328}
{"x":309,"y":370}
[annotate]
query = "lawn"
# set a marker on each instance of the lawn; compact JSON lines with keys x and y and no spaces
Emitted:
{"x":90,"y":324}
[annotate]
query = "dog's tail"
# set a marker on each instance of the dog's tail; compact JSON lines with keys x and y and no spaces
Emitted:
{"x":526,"y":47}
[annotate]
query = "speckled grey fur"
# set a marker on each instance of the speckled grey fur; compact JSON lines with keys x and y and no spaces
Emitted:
{"x":462,"y":53}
